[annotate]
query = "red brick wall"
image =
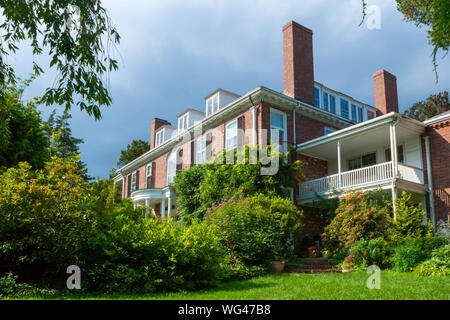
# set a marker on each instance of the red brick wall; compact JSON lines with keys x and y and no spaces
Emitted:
{"x":156,"y":124}
{"x":439,"y":134}
{"x":307,"y":129}
{"x":298,"y":62}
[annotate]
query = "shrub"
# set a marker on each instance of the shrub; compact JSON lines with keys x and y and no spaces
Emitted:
{"x":146,"y":255}
{"x":256,"y":229}
{"x":370,"y":252}
{"x":11,"y":289}
{"x":355,"y":219}
{"x":409,"y":221}
{"x":409,"y":253}
{"x":438,"y":265}
{"x":443,"y":230}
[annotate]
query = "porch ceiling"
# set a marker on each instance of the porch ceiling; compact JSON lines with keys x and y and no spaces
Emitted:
{"x":360,"y":142}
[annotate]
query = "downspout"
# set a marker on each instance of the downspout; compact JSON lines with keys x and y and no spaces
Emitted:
{"x":255,"y":122}
{"x":430,"y":180}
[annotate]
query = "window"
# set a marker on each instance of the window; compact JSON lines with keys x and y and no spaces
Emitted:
{"x":400,"y":155}
{"x":366,"y":160}
{"x":328,"y":130}
{"x":212,"y":104}
{"x":360,"y":114}
{"x":344,"y":109}
{"x":171,"y":167}
{"x":370,"y":114}
{"x":201,"y":150}
{"x":353,"y":112}
{"x":316,"y":97}
{"x":332,"y":104}
{"x":209,"y":107}
{"x":159,"y":138}
{"x":231,"y":135}
{"x":325,"y":101}
{"x":183,"y":123}
{"x":278,"y":129}
{"x":148,"y":176}
{"x":134,"y":181}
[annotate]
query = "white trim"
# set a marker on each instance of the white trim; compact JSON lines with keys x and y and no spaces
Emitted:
{"x":229,"y":123}
{"x":438,"y":118}
{"x":284,"y":129}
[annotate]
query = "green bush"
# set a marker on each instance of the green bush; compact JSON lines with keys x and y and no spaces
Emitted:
{"x":356,"y":218}
{"x":257,"y":229}
{"x":409,"y":253}
{"x":409,"y":221}
{"x":438,"y":265}
{"x":146,"y":255}
{"x":370,"y":252}
{"x":9,"y":288}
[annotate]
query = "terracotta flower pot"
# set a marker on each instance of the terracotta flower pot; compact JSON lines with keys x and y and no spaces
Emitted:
{"x":277,"y":266}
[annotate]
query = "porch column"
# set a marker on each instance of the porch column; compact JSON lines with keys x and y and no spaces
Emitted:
{"x":169,"y":207}
{"x":339,"y":163}
{"x":393,"y":138}
{"x":163,"y":208}
{"x":147,"y":208}
{"x":430,"y":181}
{"x":394,"y":199}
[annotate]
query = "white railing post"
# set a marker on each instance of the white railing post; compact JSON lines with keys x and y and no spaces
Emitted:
{"x":339,"y":163}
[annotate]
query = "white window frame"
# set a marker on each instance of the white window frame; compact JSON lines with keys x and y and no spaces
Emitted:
{"x":183,"y":123}
{"x":172,"y":166}
{"x":133,"y":181}
{"x":228,"y":137}
{"x":272,"y":127}
{"x":147,"y":175}
{"x":215,"y":104}
{"x":328,"y":130}
{"x":200,"y":156}
{"x":159,"y":137}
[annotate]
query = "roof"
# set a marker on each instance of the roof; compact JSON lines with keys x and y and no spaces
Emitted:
{"x":190,"y":110}
{"x":440,"y":117}
{"x":225,"y":91}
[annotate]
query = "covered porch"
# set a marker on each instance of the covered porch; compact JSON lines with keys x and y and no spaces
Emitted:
{"x":158,"y":202}
{"x":385,"y":153}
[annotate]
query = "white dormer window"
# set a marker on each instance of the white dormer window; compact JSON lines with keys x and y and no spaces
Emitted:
{"x":212,"y":104}
{"x":159,"y":138}
{"x":183,"y":122}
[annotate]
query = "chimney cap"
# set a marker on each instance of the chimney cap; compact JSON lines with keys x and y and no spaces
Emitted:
{"x":384,"y":72}
{"x":292,"y":23}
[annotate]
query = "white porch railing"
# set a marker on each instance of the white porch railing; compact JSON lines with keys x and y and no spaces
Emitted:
{"x":359,"y":178}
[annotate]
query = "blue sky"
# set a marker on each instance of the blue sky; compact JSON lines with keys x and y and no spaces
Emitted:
{"x":173,"y":53}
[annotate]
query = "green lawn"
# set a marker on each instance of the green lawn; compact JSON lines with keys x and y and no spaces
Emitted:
{"x":306,"y":286}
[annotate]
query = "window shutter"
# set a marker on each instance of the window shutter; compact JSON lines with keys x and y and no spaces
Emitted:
{"x":192,"y":153}
{"x":137,"y":180}
{"x":208,"y":146}
{"x":129,"y":185}
{"x":241,"y":134}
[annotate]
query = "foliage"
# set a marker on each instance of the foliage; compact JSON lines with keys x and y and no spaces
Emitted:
{"x":438,"y":265}
{"x":348,"y":262}
{"x":327,"y":207}
{"x":409,"y":221}
{"x":80,"y":48}
{"x":443,"y":230}
{"x":133,"y":151}
{"x":356,"y":218}
{"x":9,"y":288}
{"x":256,"y":229}
{"x":207,"y":185}
{"x":21,"y":134}
{"x":62,"y":143}
{"x":370,"y":252}
{"x":409,"y":253}
{"x":146,"y":255}
{"x":435,"y":104}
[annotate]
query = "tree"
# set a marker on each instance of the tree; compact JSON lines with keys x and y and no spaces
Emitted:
{"x":22,"y":137}
{"x":134,"y":150}
{"x":432,"y":13}
{"x":432,"y":106}
{"x":62,"y":143}
{"x":78,"y":37}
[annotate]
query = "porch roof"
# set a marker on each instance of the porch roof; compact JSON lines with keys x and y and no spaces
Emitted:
{"x":363,"y":136}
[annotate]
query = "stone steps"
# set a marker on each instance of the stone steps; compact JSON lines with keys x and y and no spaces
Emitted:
{"x":311,"y":265}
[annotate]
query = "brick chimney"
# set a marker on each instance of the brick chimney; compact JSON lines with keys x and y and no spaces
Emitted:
{"x":156,"y":124}
{"x":298,"y":62}
{"x":386,"y":98}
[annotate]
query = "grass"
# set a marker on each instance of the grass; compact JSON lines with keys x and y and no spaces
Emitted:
{"x":349,"y":286}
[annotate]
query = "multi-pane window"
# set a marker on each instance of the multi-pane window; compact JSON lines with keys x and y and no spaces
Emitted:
{"x":344,"y":109}
{"x":148,"y":176}
{"x":354,"y":112}
{"x":362,"y":161}
{"x":278,"y":129}
{"x":400,"y":155}
{"x":332,"y":104}
{"x":212,"y":105}
{"x":159,"y":137}
{"x":370,"y":114}
{"x":360,"y":115}
{"x":231,"y":135}
{"x":325,"y":101}
{"x":201,"y":150}
{"x":133,"y":181}
{"x":183,"y":123}
{"x":171,"y":167}
{"x":316,"y":97}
